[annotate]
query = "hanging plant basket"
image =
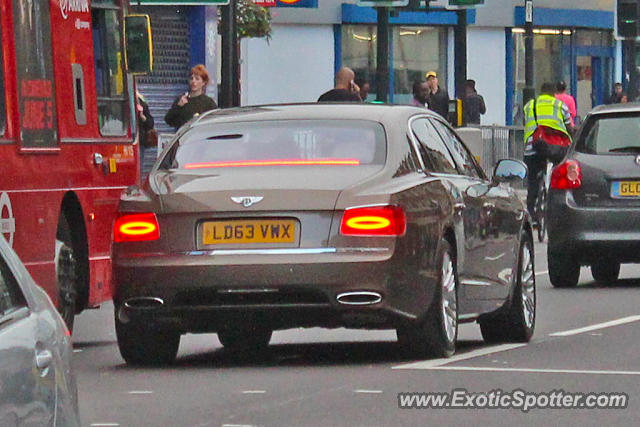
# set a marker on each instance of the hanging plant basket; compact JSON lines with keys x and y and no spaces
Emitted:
{"x":252,"y":20}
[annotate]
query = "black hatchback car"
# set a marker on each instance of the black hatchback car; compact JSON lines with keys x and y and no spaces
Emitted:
{"x":594,"y":199}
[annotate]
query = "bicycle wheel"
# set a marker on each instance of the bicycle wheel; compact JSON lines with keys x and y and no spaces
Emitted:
{"x":541,"y":210}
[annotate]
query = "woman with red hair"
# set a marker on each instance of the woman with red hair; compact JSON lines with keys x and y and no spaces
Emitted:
{"x":193,"y":102}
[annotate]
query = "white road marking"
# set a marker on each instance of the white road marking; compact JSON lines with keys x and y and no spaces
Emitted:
{"x":140,"y":392}
{"x":77,"y":350}
{"x":254,"y":392}
{"x":427,"y":364}
{"x":597,"y":326}
{"x":368,"y":391}
{"x":542,"y":273}
{"x":533,"y":371}
{"x":104,"y":425}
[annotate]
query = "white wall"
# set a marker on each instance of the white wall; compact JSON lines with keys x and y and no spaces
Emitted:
{"x":297,"y":65}
{"x":486,"y":65}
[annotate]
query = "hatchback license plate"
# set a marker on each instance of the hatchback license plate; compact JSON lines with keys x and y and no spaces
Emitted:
{"x":249,"y":231}
{"x":626,"y":189}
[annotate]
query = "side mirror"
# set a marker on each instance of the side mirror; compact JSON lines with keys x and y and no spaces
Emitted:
{"x":509,"y":170}
{"x":138,"y":44}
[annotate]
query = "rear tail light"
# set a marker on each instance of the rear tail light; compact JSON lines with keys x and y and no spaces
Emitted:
{"x":373,"y":221}
{"x":566,"y":176}
{"x":136,"y":228}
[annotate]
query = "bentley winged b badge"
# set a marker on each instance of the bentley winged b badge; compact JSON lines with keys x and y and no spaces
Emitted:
{"x":247,"y":201}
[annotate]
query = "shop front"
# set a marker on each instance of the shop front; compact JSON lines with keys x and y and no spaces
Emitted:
{"x":419,"y":42}
{"x":575,"y":46}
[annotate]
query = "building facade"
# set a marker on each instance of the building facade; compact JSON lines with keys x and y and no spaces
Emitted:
{"x":573,"y":42}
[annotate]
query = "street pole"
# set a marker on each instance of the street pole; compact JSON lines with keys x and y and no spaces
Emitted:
{"x":382,"y":70}
{"x":229,"y":67}
{"x":529,"y":91}
{"x":460,"y":55}
{"x":630,"y":53}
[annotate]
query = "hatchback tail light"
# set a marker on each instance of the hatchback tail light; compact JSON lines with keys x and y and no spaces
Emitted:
{"x":136,"y":227}
{"x":373,"y":221}
{"x":566,"y":176}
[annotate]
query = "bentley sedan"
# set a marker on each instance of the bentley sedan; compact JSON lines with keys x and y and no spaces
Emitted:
{"x":320,"y":215}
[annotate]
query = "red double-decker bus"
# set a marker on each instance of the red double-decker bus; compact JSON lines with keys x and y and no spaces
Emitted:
{"x":67,"y":141}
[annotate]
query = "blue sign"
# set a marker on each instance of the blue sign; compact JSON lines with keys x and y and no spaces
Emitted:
{"x":297,"y":3}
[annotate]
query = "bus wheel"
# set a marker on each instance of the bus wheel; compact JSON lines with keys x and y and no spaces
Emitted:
{"x":66,"y":272}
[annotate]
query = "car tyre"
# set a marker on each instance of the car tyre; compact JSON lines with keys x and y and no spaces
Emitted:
{"x":245,"y":339}
{"x":144,"y":345}
{"x":436,"y":334}
{"x":66,"y":268}
{"x":605,"y":271}
{"x":516,"y":323}
{"x":564,"y":270}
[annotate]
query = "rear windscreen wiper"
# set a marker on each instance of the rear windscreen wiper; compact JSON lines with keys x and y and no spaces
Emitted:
{"x":627,"y":149}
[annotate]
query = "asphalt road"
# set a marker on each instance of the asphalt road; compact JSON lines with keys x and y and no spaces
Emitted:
{"x":319,"y":377}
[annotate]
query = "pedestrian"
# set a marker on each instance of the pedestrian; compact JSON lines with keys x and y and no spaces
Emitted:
{"x":365,"y":88}
{"x":547,"y":131}
{"x":438,"y":98}
{"x":345,"y":90}
{"x":473,"y":104}
{"x":420,"y":93}
{"x":624,"y":98}
{"x":616,"y":96}
{"x":193,"y":102}
{"x":147,"y":136}
{"x":562,"y":95}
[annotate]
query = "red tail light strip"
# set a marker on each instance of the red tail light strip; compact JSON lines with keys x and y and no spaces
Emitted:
{"x":373,"y":221}
{"x":275,"y":162}
{"x":136,"y":228}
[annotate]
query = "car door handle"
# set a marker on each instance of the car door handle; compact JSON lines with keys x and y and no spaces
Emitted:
{"x":43,"y":359}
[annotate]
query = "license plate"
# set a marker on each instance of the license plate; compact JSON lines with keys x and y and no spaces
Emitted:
{"x":626,"y":189}
{"x":249,"y":231}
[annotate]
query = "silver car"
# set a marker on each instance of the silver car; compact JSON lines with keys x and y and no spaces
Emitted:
{"x":37,"y":387}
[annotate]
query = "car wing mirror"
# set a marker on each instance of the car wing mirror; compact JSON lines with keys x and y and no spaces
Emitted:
{"x":510,"y":171}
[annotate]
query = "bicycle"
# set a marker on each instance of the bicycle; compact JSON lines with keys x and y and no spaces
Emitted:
{"x":540,"y":206}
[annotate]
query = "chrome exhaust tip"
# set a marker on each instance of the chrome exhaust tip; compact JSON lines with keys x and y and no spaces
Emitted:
{"x":359,"y":298}
{"x":144,"y":303}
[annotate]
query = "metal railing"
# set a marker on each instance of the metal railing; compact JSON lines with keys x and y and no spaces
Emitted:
{"x":501,"y":142}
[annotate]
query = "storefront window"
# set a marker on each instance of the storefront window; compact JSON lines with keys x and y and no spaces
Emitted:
{"x":551,"y":60}
{"x":110,"y":81}
{"x":415,"y":51}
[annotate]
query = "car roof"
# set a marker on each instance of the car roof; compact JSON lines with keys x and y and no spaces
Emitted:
{"x":631,"y":107}
{"x":383,"y":113}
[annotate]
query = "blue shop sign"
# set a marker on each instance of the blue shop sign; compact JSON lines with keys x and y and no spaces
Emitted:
{"x":297,"y":3}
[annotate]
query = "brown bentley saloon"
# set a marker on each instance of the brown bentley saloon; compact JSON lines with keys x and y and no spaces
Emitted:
{"x":333,"y":215}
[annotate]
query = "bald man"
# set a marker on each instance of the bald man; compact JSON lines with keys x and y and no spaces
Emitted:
{"x":345,"y":90}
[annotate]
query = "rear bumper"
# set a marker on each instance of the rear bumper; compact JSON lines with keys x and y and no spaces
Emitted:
{"x":590,"y":234}
{"x":204,"y":291}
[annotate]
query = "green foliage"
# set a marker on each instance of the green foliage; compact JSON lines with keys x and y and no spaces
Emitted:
{"x":252,"y":20}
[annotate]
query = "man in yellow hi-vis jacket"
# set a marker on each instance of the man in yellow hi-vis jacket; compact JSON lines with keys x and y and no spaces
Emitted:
{"x":547,"y":136}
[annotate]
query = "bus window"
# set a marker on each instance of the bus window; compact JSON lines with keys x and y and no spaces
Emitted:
{"x":34,"y":66}
{"x":3,"y":95}
{"x":110,"y":78}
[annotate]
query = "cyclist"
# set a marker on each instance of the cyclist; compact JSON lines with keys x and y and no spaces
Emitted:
{"x":547,"y":136}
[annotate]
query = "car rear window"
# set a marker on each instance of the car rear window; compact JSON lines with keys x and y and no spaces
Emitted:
{"x":279,"y":143}
{"x":609,"y":134}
